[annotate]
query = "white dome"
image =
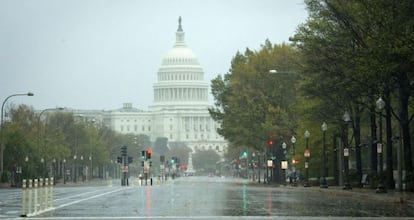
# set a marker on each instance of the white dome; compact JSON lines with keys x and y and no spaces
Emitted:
{"x":180,"y":55}
{"x":180,"y":79}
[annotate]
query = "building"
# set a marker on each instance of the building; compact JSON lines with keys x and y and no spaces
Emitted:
{"x":180,"y":108}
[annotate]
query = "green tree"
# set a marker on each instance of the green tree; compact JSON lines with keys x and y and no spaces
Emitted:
{"x":354,"y":51}
{"x":252,"y":104}
{"x":205,"y":160}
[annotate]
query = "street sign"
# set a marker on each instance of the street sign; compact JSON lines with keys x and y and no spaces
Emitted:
{"x":284,"y":164}
{"x":125,"y":169}
{"x":379,"y":148}
{"x":269,"y":163}
{"x":146,"y":166}
{"x":346,"y":152}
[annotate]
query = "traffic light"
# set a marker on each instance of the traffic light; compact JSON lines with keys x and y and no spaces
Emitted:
{"x":149,"y":152}
{"x":244,"y":154}
{"x":130,"y":159}
{"x":270,"y":143}
{"x":124,"y":150}
{"x":143,"y":156}
{"x":162,"y":158}
{"x":173,"y":160}
{"x":119,"y":159}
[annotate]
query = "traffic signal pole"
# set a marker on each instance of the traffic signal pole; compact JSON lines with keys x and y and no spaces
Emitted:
{"x":124,"y":160}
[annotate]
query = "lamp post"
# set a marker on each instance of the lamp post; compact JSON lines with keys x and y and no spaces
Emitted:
{"x":90,"y":161}
{"x":42,"y":161}
{"x":381,"y":186}
{"x":1,"y":128}
{"x":258,"y":166}
{"x":293,"y":140}
{"x":81,"y":167}
{"x":75,"y":174}
{"x":380,"y":104}
{"x":26,"y":160}
{"x":64,"y":171}
{"x":284,"y":163}
{"x":324,"y":184}
{"x":347,"y":118}
{"x":54,"y":171}
{"x":38,"y":123}
{"x":253,"y":166}
{"x":307,"y":155}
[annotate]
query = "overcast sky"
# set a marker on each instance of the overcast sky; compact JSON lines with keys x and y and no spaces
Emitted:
{"x":98,"y":54}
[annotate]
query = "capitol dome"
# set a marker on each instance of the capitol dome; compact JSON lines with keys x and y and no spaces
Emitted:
{"x":180,"y":78}
{"x":180,"y":55}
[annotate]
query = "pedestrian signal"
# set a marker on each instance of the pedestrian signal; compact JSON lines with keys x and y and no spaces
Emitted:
{"x":149,"y":152}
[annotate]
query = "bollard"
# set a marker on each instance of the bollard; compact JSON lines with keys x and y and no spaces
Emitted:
{"x":46,"y":182}
{"x":24,"y":206}
{"x":52,"y":182}
{"x":35,"y":198}
{"x":29,"y":205}
{"x":151,"y":181}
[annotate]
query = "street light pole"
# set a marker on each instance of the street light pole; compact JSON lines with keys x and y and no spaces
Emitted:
{"x":38,"y":127}
{"x":381,"y":186}
{"x":1,"y":127}
{"x":324,"y":184}
{"x":64,"y":171}
{"x":293,"y":140}
{"x":284,"y":163}
{"x":347,"y":118}
{"x":307,"y":155}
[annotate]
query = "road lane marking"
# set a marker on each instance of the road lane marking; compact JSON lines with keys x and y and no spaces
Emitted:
{"x":78,"y":195}
{"x":74,"y":202}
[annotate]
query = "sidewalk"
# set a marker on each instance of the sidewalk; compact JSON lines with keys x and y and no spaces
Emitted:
{"x":368,"y":194}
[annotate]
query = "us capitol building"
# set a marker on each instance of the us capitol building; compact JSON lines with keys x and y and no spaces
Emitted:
{"x":180,"y":108}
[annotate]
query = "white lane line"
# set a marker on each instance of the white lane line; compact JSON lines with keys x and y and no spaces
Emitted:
{"x":78,"y":195}
{"x":74,"y":202}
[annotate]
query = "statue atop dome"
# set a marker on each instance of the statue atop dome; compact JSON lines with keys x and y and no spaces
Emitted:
{"x":179,"y":24}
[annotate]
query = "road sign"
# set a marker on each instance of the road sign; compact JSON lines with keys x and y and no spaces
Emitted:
{"x":146,"y":166}
{"x":125,"y":169}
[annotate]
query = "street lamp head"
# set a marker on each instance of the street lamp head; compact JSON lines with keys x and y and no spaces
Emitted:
{"x":272,"y":71}
{"x":30,"y":94}
{"x":324,"y":126}
{"x":346,"y":117}
{"x":293,"y":139}
{"x":307,"y":134}
{"x":380,"y":103}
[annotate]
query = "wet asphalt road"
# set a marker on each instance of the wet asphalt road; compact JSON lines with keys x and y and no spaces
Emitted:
{"x":199,"y":198}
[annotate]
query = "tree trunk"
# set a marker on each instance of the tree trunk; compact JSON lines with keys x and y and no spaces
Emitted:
{"x":404,"y":94}
{"x":357,"y":135}
{"x":373,"y":143}
{"x":388,"y":133}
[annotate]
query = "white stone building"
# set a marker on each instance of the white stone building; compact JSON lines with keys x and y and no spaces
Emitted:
{"x":180,"y":108}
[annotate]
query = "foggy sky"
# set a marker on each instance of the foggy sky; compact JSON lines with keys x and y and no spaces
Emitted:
{"x":98,"y":54}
